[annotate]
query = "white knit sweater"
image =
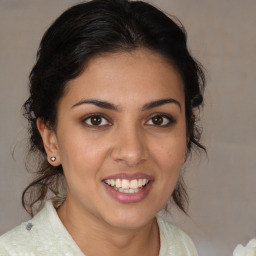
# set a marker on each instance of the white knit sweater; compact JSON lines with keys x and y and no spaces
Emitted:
{"x":45,"y":235}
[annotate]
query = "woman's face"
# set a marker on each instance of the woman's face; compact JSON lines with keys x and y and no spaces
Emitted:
{"x":121,"y":137}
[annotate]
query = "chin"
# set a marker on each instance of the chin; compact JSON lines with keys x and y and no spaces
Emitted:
{"x":129,"y":219}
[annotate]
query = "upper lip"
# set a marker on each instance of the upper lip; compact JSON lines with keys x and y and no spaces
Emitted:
{"x":129,"y":176}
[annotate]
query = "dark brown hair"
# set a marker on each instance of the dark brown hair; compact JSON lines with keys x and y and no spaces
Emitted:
{"x":80,"y":33}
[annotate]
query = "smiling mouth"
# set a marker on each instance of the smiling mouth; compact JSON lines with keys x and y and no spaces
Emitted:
{"x":127,"y":186}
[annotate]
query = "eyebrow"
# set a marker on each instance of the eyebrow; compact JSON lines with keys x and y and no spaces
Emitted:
{"x":111,"y":106}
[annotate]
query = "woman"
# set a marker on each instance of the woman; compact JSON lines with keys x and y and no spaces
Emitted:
{"x":113,"y":102}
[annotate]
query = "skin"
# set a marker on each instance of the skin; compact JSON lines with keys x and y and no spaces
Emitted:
{"x":128,"y":141}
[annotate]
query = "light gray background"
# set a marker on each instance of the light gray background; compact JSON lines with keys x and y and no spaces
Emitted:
{"x":221,"y":34}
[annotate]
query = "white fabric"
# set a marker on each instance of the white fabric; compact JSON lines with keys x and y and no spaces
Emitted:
{"x":45,"y":235}
{"x":248,"y":250}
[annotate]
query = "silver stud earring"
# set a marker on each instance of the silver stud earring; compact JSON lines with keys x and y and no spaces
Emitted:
{"x":53,"y":158}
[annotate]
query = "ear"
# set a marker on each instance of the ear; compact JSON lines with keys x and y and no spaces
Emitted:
{"x":50,"y":142}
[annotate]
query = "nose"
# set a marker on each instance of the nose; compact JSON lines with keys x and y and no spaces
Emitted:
{"x":129,"y":147}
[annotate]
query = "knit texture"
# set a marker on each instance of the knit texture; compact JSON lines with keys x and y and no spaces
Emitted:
{"x":45,"y":235}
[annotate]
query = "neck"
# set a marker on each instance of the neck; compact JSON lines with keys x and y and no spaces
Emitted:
{"x":96,"y":237}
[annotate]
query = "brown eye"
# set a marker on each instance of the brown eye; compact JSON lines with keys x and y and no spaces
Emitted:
{"x":96,"y":120}
{"x":157,"y":120}
{"x":161,"y":120}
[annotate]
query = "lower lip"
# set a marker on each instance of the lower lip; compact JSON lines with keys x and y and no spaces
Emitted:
{"x":127,"y":198}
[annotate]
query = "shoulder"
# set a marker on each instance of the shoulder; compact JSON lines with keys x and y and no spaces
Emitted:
{"x":42,"y":235}
{"x":33,"y":237}
{"x":174,"y":241}
{"x":25,"y":238}
{"x":17,"y":239}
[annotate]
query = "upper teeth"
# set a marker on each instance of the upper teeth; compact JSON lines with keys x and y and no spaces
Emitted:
{"x":126,"y":184}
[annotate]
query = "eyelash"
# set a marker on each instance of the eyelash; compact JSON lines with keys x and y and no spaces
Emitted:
{"x":89,"y":117}
{"x":169,"y":118}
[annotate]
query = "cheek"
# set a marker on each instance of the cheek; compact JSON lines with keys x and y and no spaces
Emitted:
{"x":169,"y":156}
{"x":171,"y":161}
{"x":80,"y":157}
{"x":171,"y":151}
{"x":82,"y":170}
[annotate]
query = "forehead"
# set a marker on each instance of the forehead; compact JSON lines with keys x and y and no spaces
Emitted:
{"x":139,"y":76}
